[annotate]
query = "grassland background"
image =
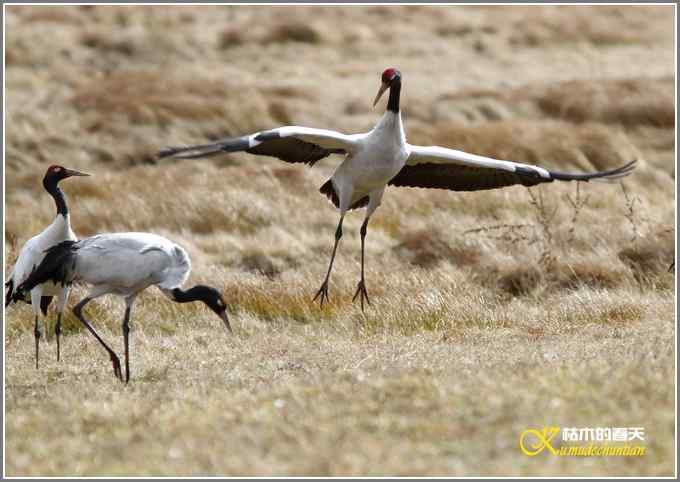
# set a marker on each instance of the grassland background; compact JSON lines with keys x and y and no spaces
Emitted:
{"x":493,"y":312}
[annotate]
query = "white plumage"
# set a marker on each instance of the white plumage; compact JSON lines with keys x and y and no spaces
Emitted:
{"x":127,"y":263}
{"x":441,"y":155}
{"x":33,"y":252}
{"x":123,"y":264}
{"x":382,"y":157}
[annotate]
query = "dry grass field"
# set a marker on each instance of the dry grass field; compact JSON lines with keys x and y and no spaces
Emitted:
{"x":493,"y":312}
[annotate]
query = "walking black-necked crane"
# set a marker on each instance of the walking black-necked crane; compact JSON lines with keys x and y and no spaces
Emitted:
{"x":33,"y":252}
{"x":123,"y":264}
{"x":379,"y":158}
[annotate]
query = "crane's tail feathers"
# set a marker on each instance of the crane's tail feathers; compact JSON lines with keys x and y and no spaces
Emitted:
{"x":206,"y":150}
{"x":602,"y":176}
{"x":14,"y":296}
{"x":329,"y":191}
{"x":177,"y":274}
{"x":8,"y":294}
{"x":57,"y":266}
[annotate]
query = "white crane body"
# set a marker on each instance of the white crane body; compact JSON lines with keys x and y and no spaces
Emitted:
{"x":33,"y":252}
{"x":380,"y":158}
{"x":123,"y":264}
{"x":30,"y":257}
{"x":127,"y":263}
{"x":380,"y":154}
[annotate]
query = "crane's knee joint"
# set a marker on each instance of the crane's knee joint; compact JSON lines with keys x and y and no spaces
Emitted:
{"x":78,"y":309}
{"x":364,"y":226}
{"x":36,"y":333}
{"x":338,"y":232}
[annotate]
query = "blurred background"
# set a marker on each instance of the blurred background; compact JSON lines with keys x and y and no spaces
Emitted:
{"x":492,"y":280}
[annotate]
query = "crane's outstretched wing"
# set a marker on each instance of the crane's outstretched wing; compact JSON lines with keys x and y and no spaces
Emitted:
{"x":440,"y":168}
{"x":289,"y":143}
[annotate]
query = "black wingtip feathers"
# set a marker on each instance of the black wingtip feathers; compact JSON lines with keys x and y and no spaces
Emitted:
{"x":610,"y":175}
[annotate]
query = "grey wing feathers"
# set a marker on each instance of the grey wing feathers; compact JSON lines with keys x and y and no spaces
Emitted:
{"x":235,"y":144}
{"x":290,"y":149}
{"x":268,"y":143}
{"x":458,"y":177}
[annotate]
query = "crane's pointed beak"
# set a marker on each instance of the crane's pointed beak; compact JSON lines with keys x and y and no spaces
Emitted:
{"x":225,"y":319}
{"x":73,"y":172}
{"x":382,"y":90}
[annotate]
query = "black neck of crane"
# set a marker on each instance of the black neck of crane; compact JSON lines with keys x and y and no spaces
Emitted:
{"x":395,"y":91}
{"x":197,"y":293}
{"x":51,"y":186}
{"x":182,"y":296}
{"x":206,"y":294}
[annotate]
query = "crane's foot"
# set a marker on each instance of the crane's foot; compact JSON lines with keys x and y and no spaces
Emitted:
{"x":322,"y":293}
{"x":361,"y":291}
{"x":116,"y":367}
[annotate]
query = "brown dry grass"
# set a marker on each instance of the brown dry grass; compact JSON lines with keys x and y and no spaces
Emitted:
{"x":629,"y":102}
{"x":492,"y":312}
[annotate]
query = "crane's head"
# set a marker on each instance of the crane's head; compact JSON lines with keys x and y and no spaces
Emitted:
{"x":389,"y":76}
{"x":213,"y":299}
{"x":57,"y":173}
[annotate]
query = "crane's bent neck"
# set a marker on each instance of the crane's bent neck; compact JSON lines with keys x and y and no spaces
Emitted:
{"x":395,"y":92}
{"x":58,"y":196}
{"x":197,"y":293}
{"x":184,"y":296}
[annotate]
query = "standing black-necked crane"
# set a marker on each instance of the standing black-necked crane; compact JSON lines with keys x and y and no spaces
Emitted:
{"x":33,"y":252}
{"x":123,"y":264}
{"x":379,"y":158}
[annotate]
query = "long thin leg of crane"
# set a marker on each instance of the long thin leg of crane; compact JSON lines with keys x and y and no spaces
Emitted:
{"x":36,"y":334}
{"x":61,"y":304}
{"x":57,"y":332}
{"x":44,"y":304}
{"x":374,"y":201}
{"x":77,"y":310}
{"x":36,"y":300}
{"x":126,"y":333}
{"x":361,"y":287}
{"x":323,"y":291}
